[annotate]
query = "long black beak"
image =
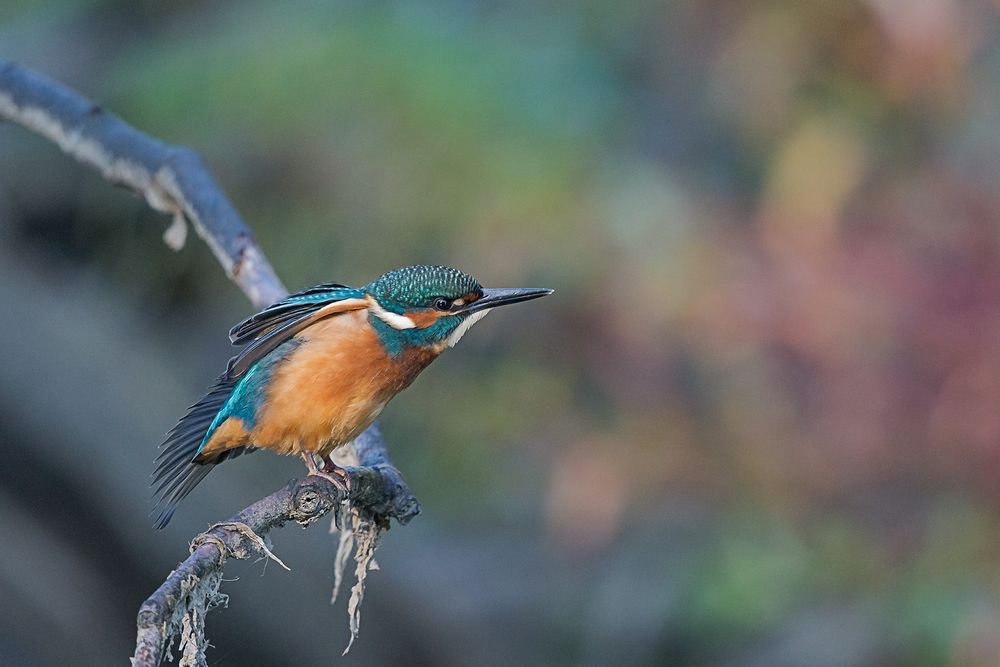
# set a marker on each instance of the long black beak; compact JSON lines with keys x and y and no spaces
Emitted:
{"x":501,"y":296}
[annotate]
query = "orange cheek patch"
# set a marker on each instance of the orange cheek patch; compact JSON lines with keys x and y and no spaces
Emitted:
{"x":424,"y":318}
{"x":466,"y":298}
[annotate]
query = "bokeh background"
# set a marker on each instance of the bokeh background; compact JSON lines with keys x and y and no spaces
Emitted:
{"x":757,"y":424}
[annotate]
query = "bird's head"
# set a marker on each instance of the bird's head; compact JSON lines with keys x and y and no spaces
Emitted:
{"x":433,"y":306}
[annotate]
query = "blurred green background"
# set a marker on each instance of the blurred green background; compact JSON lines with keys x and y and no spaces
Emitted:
{"x":757,"y":424}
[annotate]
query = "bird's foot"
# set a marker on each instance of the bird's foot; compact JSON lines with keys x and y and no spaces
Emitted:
{"x":330,"y":471}
{"x":339,"y":480}
{"x":339,"y":476}
{"x":330,"y":467}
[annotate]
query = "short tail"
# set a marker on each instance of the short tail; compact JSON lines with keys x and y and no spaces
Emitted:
{"x":177,"y":472}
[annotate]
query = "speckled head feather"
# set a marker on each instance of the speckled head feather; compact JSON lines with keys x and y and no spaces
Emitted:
{"x":417,"y":286}
{"x":404,"y":315}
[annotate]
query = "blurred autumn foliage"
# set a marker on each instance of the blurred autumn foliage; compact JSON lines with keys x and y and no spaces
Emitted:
{"x":759,"y":422}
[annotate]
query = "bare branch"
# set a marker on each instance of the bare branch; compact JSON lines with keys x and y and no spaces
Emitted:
{"x":172,"y":179}
{"x":377,"y":490}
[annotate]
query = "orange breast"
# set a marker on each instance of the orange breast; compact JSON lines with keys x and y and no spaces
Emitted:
{"x":332,"y":387}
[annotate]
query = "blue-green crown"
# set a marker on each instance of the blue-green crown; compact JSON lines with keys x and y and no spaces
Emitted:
{"x":417,"y":286}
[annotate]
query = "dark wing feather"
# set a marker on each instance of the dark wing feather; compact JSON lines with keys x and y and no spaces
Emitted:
{"x":177,"y":472}
{"x":184,"y":482}
{"x":290,"y":307}
{"x":277,"y":323}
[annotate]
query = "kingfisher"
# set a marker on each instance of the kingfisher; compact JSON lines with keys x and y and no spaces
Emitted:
{"x":318,"y":367}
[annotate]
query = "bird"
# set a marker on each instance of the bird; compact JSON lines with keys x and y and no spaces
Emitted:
{"x":316,"y":368}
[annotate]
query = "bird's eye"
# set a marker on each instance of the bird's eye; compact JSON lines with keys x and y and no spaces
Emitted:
{"x":442,"y":303}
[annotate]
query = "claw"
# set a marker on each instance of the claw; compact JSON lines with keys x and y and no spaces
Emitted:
{"x":332,"y":468}
{"x":330,"y":471}
{"x":341,"y":482}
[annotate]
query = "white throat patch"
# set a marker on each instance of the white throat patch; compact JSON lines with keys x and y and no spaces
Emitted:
{"x":466,"y":324}
{"x":394,"y":320}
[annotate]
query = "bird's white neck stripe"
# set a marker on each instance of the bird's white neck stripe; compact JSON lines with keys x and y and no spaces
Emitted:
{"x":466,"y":324}
{"x":394,"y":320}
